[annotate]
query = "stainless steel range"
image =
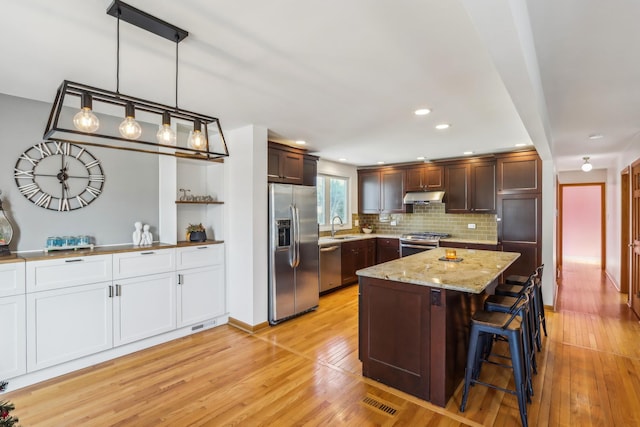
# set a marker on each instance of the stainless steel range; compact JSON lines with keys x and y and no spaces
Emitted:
{"x":412,"y":243}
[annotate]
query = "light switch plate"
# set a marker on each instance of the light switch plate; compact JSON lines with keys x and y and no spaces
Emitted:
{"x":471,"y":226}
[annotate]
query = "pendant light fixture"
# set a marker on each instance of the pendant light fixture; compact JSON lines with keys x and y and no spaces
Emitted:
{"x":586,"y":166}
{"x":85,"y":120}
{"x":205,"y":142}
{"x":6,"y":232}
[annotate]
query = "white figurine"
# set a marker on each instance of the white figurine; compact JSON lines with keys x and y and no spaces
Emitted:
{"x":137,"y":234}
{"x":147,"y":237}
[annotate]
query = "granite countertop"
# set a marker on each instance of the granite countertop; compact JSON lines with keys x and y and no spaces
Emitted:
{"x":341,"y":238}
{"x":477,"y":270}
{"x":463,"y":240}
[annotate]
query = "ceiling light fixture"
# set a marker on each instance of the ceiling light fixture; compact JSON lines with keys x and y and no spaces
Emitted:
{"x":596,"y":136}
{"x":521,"y":144}
{"x":380,"y":163}
{"x":466,"y":153}
{"x":205,"y":142}
{"x":301,"y":142}
{"x":443,"y":126}
{"x":422,"y":112}
{"x":586,"y":166}
{"x":420,"y":158}
{"x":342,"y":159}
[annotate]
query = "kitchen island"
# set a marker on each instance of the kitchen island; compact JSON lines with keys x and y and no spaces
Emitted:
{"x":414,"y":316}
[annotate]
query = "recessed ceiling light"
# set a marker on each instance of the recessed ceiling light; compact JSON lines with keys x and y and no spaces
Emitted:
{"x":420,"y":158}
{"x":342,"y":159}
{"x":443,"y":126}
{"x":466,"y":153}
{"x":422,"y":112}
{"x":596,"y":136}
{"x":301,"y":142}
{"x":380,"y":163}
{"x":521,"y":144}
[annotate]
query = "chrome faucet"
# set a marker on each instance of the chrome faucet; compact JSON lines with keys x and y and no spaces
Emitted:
{"x":333,"y":221}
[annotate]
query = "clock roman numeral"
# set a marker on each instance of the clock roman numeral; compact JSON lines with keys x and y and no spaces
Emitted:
{"x":92,"y":164}
{"x":96,"y":178}
{"x":63,"y":148}
{"x":19,"y":174}
{"x":82,"y":150}
{"x":24,"y":156}
{"x":63,"y":204}
{"x":81,"y":201}
{"x":44,"y":200}
{"x":43,"y":149}
{"x":29,"y":190}
{"x":95,"y":192}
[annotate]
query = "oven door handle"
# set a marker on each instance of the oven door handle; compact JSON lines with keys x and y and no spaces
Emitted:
{"x":404,"y":245}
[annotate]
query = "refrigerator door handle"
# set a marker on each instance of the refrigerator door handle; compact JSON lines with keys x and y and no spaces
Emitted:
{"x":292,"y":243}
{"x":297,"y":235}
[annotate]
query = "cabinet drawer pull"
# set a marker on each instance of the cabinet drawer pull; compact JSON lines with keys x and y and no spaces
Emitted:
{"x":180,"y":278}
{"x":118,"y":290}
{"x":203,"y":247}
{"x":73,"y":260}
{"x":147,"y":253}
{"x":110,"y":291}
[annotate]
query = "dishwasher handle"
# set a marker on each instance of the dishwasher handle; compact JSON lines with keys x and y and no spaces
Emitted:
{"x":329,"y":249}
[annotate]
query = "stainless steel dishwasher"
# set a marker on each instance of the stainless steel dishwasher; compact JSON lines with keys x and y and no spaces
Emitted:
{"x":330,"y":267}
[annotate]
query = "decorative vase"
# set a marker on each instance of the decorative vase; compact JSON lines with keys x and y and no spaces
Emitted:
{"x":198,"y":236}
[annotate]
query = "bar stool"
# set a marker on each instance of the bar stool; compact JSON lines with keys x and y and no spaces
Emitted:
{"x":513,"y":287}
{"x":516,"y":280}
{"x":507,"y":304}
{"x":484,"y":326}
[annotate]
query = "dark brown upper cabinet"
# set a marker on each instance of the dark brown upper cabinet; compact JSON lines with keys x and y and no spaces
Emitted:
{"x":470,"y":186}
{"x":381,"y":191}
{"x":289,"y":165}
{"x":424,"y":178}
{"x":519,"y":172}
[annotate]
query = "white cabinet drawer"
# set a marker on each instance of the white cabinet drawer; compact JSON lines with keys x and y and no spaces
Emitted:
{"x":12,"y":277}
{"x":65,"y":272}
{"x":200,"y":256}
{"x":133,"y":264}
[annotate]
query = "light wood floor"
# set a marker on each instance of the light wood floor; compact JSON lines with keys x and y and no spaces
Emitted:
{"x":306,"y":372}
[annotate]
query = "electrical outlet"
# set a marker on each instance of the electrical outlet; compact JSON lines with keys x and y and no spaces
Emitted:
{"x":394,"y":223}
{"x":471,"y":226}
{"x":356,"y":223}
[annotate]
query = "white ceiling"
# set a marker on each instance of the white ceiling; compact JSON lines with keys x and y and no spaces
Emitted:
{"x":346,"y":76}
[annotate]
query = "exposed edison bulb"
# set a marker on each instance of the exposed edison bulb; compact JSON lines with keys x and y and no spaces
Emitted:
{"x":129,"y":128}
{"x":165,"y":134}
{"x":197,"y":139}
{"x":85,"y":120}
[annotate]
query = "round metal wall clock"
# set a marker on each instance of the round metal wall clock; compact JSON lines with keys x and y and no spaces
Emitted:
{"x":59,"y":176}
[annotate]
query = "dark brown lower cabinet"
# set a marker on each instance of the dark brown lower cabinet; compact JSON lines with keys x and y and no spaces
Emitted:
{"x":356,"y":255}
{"x":387,"y":249}
{"x":415,"y":338}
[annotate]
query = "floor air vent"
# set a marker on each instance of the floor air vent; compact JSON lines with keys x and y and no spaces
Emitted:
{"x":382,"y":407}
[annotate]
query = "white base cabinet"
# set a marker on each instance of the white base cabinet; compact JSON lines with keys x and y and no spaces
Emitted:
{"x":65,"y":324}
{"x":13,"y":346}
{"x":144,"y":306}
{"x":201,"y":294}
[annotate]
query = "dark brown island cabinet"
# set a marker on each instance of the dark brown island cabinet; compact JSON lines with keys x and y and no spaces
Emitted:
{"x":415,"y":338}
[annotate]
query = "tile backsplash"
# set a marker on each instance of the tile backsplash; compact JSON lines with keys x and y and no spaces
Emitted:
{"x":432,"y":217}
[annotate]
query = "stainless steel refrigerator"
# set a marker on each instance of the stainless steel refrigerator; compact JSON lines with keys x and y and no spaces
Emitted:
{"x":293,"y":251}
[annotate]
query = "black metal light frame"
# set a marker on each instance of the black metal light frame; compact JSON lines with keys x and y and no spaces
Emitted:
{"x":55,"y":131}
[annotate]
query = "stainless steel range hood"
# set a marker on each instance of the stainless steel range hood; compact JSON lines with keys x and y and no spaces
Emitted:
{"x":423,"y":197}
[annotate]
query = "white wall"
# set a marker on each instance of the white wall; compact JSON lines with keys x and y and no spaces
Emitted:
{"x":247,"y":233}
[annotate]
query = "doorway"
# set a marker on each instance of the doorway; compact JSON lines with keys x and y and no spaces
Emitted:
{"x":582,"y":235}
